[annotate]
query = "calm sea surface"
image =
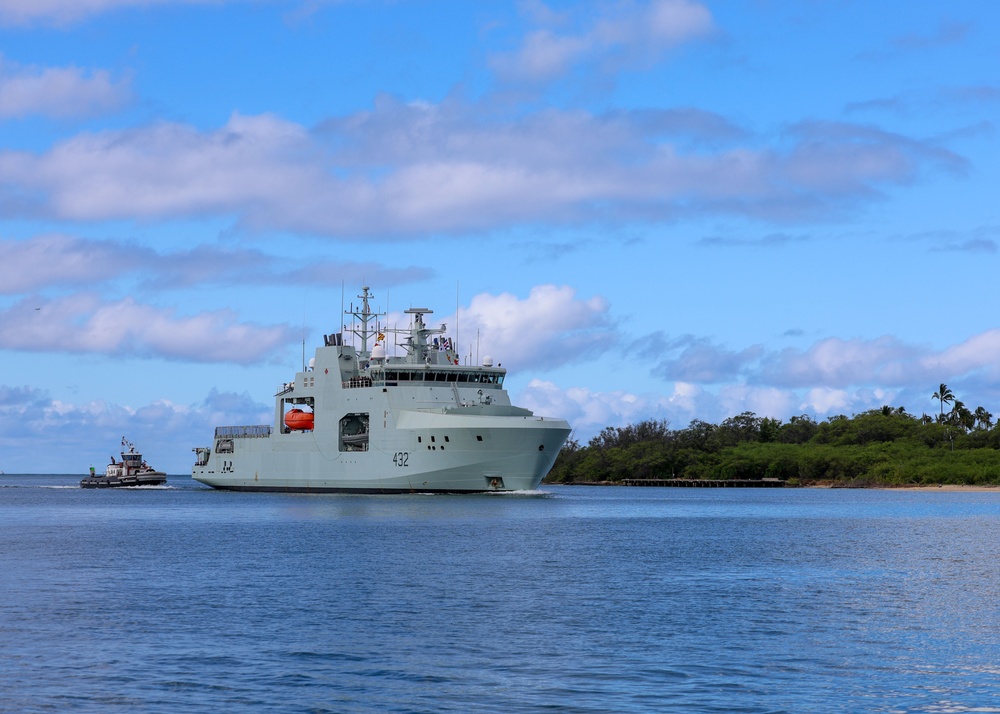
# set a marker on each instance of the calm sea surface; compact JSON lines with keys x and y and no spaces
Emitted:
{"x":569,"y":600}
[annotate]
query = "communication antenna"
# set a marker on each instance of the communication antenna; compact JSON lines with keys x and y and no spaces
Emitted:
{"x":388,"y":332}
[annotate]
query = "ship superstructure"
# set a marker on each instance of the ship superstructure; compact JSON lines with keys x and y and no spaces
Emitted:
{"x":359,"y":420}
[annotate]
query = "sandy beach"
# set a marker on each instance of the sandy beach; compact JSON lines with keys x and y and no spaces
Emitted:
{"x":945,"y":487}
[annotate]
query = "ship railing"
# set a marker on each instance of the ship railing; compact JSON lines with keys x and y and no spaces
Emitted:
{"x":243,"y":432}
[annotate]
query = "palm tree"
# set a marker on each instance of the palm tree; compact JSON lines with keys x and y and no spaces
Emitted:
{"x":945,"y":396}
{"x":960,"y":416}
{"x":983,"y":418}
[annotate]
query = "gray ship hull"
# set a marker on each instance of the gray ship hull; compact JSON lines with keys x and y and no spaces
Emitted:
{"x":477,"y":457}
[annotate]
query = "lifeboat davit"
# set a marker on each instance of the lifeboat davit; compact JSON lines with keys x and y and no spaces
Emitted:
{"x":298,"y":420}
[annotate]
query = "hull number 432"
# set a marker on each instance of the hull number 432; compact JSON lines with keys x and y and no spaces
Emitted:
{"x":401,"y":458}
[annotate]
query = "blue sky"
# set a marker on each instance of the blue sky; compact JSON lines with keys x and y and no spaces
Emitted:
{"x":644,"y":210}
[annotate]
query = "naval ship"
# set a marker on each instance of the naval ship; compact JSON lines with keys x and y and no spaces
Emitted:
{"x":358,"y":420}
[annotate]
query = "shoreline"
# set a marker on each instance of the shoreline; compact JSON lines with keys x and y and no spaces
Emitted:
{"x":941,"y":487}
{"x":910,"y":487}
{"x":832,"y":485}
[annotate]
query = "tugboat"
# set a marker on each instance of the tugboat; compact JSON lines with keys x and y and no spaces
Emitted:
{"x":130,"y":471}
{"x":360,"y":420}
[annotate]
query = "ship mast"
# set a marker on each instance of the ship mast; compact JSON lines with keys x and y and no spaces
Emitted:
{"x":416,"y":343}
{"x":361,"y":319}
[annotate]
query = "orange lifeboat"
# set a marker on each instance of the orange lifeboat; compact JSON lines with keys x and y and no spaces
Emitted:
{"x":298,"y":420}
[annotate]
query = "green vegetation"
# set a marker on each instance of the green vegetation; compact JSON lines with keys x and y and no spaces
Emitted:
{"x":880,"y":447}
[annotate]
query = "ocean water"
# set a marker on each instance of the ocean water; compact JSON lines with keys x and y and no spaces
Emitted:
{"x":571,"y":599}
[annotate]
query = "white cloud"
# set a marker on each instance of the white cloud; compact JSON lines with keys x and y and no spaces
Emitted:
{"x":47,"y":260}
{"x":550,"y":327}
{"x":978,"y":353}
{"x":764,"y":401}
{"x":833,"y":376}
{"x":171,"y":169}
{"x":163,"y":430}
{"x":544,"y":55}
{"x":588,"y":412}
{"x":842,"y":158}
{"x":60,"y":92}
{"x":415,"y":170}
{"x":627,"y":31}
{"x":62,"y":12}
{"x":84,"y":323}
{"x":826,"y":400}
{"x":685,"y":398}
{"x":832,"y":363}
{"x":56,"y":260}
{"x":836,"y":362}
{"x":695,"y":359}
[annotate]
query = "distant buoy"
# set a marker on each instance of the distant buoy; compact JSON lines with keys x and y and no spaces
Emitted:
{"x":298,"y":420}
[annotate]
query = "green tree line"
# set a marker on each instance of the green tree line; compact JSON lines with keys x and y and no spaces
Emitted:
{"x":879,"y":447}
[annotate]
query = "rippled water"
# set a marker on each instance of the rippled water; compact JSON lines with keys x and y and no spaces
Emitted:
{"x":570,"y":600}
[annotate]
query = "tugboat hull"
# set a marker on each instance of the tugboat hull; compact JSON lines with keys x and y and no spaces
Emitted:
{"x":152,"y":478}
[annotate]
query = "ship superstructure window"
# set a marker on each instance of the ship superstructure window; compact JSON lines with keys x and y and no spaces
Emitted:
{"x":395,"y":376}
{"x":478,"y":437}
